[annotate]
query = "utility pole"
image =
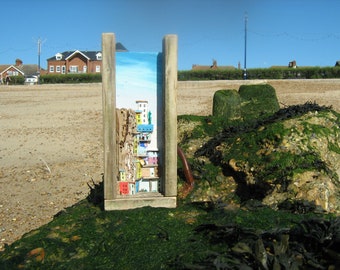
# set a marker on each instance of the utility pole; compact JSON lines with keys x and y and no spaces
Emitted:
{"x":245,"y":46}
{"x":39,"y":51}
{"x":40,"y":42}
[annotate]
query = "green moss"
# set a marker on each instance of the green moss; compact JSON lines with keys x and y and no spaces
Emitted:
{"x":84,"y":237}
{"x":315,"y":129}
{"x":258,"y":101}
{"x":248,"y":103}
{"x":205,"y":126}
{"x":259,"y":149}
{"x":227,"y":104}
{"x":334,"y":147}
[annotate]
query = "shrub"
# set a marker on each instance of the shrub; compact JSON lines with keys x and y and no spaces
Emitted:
{"x":261,"y":73}
{"x":71,"y":78}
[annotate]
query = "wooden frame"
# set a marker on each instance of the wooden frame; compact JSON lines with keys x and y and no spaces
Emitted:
{"x":112,"y":201}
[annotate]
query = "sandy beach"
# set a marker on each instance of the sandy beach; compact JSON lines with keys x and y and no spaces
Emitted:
{"x":51,"y":142}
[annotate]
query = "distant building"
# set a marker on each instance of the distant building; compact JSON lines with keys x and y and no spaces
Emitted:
{"x":213,"y":66}
{"x":291,"y":64}
{"x":10,"y":70}
{"x":18,"y":69}
{"x":78,"y":61}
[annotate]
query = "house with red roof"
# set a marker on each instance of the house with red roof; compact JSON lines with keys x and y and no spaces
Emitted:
{"x":78,"y":61}
{"x":18,"y":69}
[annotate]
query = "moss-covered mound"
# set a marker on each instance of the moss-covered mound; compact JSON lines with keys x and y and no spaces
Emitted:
{"x":289,"y":158}
{"x":248,"y":103}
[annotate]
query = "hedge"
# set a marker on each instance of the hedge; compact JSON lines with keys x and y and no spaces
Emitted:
{"x":201,"y":75}
{"x":261,"y":73}
{"x":71,"y":78}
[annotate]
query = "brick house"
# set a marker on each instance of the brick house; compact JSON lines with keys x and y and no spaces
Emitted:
{"x":18,"y":69}
{"x":78,"y":61}
{"x":10,"y":70}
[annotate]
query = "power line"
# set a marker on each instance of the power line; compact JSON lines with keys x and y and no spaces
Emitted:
{"x":301,"y":36}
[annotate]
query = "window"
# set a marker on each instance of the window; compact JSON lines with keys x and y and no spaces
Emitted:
{"x":97,"y":68}
{"x":57,"y":68}
{"x":99,"y":56}
{"x":58,"y":56}
{"x":12,"y":73}
{"x":84,"y":69}
{"x":74,"y":69}
{"x":63,"y":69}
{"x":51,"y":68}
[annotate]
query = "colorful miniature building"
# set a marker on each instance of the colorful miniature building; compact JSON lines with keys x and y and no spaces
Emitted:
{"x":124,"y":188}
{"x":135,"y":145}
{"x":139,"y":119}
{"x":138,"y":170}
{"x":154,"y":185}
{"x":143,"y":136}
{"x":122,"y":175}
{"x":145,"y":128}
{"x":152,"y":157}
{"x":142,"y":149}
{"x":143,"y":186}
{"x":138,"y":165}
{"x":143,"y":106}
{"x":132,"y":188}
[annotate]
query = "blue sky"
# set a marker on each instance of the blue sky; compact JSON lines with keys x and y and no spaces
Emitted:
{"x":279,"y":31}
{"x":144,"y":84}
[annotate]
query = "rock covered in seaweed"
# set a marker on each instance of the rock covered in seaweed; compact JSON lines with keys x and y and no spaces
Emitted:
{"x":293,"y":155}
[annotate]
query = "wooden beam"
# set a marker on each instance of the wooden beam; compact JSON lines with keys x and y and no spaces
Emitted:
{"x":170,"y":52}
{"x":109,"y":115}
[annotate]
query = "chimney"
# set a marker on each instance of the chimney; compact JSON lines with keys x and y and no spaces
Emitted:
{"x":214,"y":63}
{"x":18,"y":62}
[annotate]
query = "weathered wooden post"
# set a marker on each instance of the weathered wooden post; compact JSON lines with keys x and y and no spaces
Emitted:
{"x":109,"y":115}
{"x":127,"y":195}
{"x":170,"y":113}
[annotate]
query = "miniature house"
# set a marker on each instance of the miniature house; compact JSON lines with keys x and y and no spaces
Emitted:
{"x":152,"y":157}
{"x":143,"y":108}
